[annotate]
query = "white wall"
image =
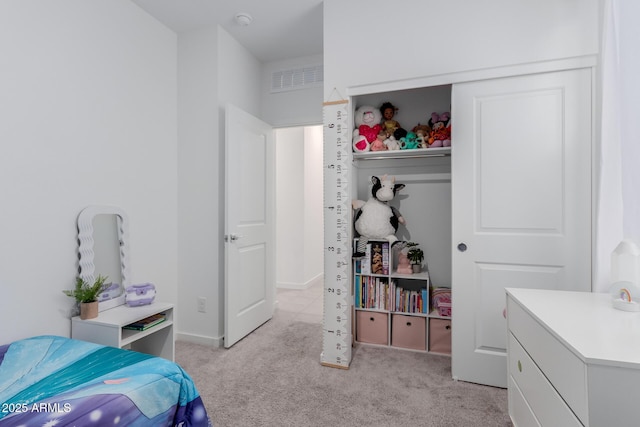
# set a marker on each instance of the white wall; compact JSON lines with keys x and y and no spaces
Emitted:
{"x":299,"y":231}
{"x":199,"y":162}
{"x":290,"y":209}
{"x":88,"y":110}
{"x":313,"y":204}
{"x":300,"y":107}
{"x":214,"y":70}
{"x":449,"y":37}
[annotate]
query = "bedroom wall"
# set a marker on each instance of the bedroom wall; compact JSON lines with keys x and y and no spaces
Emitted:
{"x":214,"y":70}
{"x":452,"y":37}
{"x":88,"y":110}
{"x":198,"y":176}
{"x":299,"y":107}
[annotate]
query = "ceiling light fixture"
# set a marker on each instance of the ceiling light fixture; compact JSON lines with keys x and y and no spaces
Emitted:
{"x":243,"y":19}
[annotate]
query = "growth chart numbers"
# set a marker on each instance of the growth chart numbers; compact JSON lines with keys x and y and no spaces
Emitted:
{"x":336,"y":343}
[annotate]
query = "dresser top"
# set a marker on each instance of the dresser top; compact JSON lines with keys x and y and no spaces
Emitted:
{"x":586,"y":323}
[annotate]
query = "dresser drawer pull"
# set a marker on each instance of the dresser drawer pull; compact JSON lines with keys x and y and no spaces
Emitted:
{"x":519,"y":366}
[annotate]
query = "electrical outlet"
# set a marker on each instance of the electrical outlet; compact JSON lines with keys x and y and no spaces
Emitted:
{"x":202,"y":304}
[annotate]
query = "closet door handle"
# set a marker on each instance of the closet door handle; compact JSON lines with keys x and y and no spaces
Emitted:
{"x":462,"y":246}
{"x":232,"y":237}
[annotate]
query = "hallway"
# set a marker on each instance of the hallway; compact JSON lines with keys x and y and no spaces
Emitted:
{"x":300,"y":305}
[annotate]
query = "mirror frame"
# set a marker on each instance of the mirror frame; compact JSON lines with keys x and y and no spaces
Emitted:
{"x":86,"y":252}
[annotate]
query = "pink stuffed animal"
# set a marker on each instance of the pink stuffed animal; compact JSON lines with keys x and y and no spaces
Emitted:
{"x":440,"y":135}
{"x":378,"y":144}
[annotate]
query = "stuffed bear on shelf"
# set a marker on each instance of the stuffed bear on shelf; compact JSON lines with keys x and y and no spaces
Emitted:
{"x":367,"y":120}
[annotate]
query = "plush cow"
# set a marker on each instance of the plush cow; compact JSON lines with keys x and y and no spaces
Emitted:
{"x":375,"y":218}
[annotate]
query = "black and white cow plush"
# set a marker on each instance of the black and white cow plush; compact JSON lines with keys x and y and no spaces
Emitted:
{"x":375,"y":218}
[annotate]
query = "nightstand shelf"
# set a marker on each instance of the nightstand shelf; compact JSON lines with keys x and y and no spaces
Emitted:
{"x":108,"y":329}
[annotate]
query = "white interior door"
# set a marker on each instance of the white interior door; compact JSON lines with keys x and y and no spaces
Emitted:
{"x":521,"y":188}
{"x":249,"y":224}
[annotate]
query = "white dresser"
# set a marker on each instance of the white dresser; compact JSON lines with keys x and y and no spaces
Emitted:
{"x":573,"y":360}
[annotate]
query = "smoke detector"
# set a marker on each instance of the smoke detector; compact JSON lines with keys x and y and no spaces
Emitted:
{"x":243,"y":19}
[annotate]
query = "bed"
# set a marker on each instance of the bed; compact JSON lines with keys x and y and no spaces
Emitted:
{"x":55,"y":381}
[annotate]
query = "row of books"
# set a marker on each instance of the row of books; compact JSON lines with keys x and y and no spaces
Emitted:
{"x":147,"y":322}
{"x":376,"y":259}
{"x":378,"y":293}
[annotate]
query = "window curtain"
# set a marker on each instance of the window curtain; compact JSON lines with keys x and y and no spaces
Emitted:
{"x":618,"y":172}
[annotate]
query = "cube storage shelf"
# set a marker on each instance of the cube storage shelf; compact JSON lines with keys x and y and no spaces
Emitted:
{"x":395,"y":310}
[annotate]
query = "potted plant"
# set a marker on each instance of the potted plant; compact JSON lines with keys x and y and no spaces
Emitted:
{"x":416,"y":256}
{"x":86,"y":296}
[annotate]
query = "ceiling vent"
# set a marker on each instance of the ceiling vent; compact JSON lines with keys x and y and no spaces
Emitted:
{"x":297,"y":78}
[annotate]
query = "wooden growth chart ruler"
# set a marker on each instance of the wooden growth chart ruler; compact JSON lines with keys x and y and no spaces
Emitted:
{"x":336,"y":341}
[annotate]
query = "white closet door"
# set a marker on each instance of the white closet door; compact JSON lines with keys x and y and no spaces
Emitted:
{"x":521,"y":167}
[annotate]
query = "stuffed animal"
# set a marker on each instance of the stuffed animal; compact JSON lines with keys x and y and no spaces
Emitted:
{"x":378,"y":144}
{"x":409,"y":142}
{"x":391,"y":143}
{"x":399,"y":134}
{"x":367,"y":120}
{"x":360,"y":143}
{"x":422,"y":135}
{"x":375,"y":218}
{"x":440,"y":135}
{"x":389,"y":125}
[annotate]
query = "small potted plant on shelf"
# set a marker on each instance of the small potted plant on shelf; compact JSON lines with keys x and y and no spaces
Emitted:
{"x":416,"y":256}
{"x":86,"y":296}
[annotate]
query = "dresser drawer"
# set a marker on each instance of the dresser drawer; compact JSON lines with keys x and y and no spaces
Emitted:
{"x":565,"y":371}
{"x":519,"y":411}
{"x":543,"y":400}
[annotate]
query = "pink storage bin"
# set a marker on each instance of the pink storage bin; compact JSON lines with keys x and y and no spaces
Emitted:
{"x":408,"y":332}
{"x":372,"y":327}
{"x":440,"y":336}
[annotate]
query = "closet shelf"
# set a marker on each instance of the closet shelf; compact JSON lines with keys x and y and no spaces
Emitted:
{"x":404,"y":154}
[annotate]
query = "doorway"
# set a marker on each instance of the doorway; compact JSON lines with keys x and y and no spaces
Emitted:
{"x":299,"y":223}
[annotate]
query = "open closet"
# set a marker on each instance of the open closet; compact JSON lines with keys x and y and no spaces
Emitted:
{"x":508,"y":205}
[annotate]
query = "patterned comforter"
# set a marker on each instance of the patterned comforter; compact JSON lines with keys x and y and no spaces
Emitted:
{"x":51,"y":381}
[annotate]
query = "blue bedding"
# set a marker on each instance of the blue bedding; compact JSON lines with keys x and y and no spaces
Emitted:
{"x":54,"y":381}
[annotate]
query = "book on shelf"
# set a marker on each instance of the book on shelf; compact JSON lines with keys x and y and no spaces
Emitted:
{"x":375,"y":260}
{"x":147,"y":322}
{"x":407,"y":300}
{"x":371,"y":292}
{"x":365,"y":262}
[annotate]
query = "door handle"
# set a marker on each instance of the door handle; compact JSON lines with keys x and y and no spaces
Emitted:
{"x":462,"y":247}
{"x":232,"y":237}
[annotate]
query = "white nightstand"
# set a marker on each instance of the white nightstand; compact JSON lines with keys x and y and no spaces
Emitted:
{"x":107,"y":329}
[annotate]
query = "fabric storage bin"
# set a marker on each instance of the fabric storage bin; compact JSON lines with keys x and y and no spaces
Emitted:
{"x":440,"y":336}
{"x":372,"y":327}
{"x":408,"y":332}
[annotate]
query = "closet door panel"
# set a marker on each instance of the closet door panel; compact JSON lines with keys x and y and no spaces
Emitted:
{"x":521,"y":196}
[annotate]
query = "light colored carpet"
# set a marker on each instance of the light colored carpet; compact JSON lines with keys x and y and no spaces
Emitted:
{"x":274,"y":377}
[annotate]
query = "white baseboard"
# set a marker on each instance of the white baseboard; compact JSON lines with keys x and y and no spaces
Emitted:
{"x":301,"y":286}
{"x":200,"y":339}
